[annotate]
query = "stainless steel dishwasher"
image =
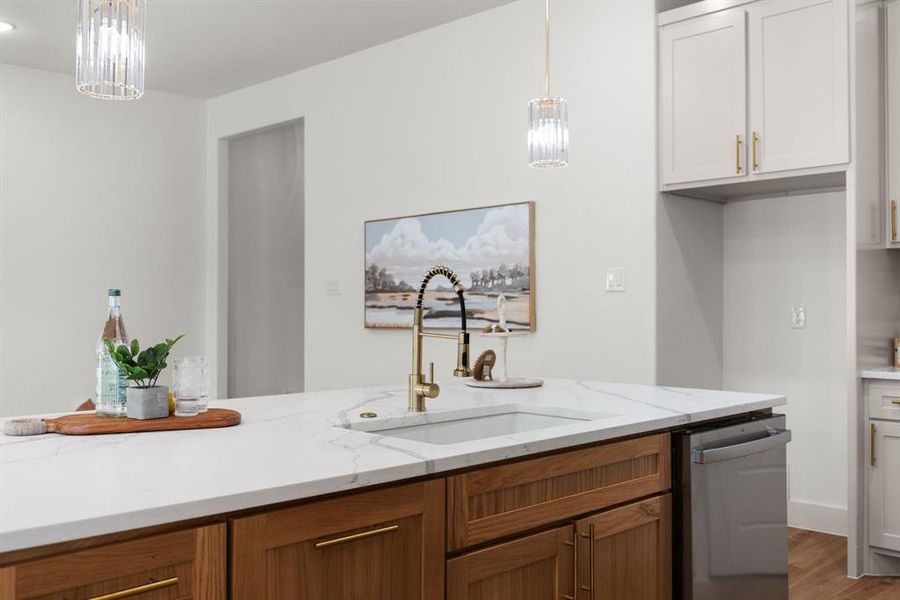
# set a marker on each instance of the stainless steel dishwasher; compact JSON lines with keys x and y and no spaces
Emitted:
{"x":731,"y":511}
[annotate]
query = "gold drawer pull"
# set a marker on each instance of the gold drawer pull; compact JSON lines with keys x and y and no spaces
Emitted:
{"x":356,"y":536}
{"x":139,"y":589}
{"x":895,"y":401}
{"x":737,"y":154}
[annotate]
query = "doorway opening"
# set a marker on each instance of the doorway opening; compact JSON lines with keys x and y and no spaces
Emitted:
{"x":265,"y":258}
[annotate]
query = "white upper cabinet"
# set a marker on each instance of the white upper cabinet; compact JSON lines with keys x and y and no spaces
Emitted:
{"x":893,"y":116}
{"x":799,"y":84}
{"x":759,"y":91}
{"x":703,"y":98}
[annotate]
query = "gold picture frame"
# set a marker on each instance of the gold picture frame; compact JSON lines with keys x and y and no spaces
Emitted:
{"x":398,"y":251}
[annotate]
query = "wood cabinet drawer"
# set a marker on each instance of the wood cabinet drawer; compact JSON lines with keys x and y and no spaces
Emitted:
{"x":494,"y":502}
{"x":884,"y":401}
{"x":386,"y":544}
{"x":180,"y":565}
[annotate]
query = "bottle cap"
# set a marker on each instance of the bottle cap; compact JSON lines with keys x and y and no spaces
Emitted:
{"x":115,"y":292}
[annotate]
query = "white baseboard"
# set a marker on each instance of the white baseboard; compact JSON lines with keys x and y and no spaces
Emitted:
{"x":817,"y":517}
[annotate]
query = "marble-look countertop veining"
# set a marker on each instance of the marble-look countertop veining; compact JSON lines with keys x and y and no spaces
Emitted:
{"x":56,"y":488}
{"x":882,"y":373}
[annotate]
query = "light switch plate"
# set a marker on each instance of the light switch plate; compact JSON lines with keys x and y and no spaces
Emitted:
{"x":332,"y":287}
{"x":798,"y":317}
{"x":615,"y":280}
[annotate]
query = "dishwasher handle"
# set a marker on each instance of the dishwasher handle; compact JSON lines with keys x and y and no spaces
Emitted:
{"x":775,"y":439}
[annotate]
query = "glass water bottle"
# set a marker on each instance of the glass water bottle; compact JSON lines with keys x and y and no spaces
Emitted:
{"x":111,"y":382}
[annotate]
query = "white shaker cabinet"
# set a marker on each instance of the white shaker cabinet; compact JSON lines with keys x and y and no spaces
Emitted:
{"x":703,"y":94}
{"x":799,"y":84}
{"x":884,"y":485}
{"x":893,"y":116}
{"x":756,"y":92}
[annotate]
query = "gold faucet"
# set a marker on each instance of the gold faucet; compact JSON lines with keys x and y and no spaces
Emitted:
{"x":419,"y":387}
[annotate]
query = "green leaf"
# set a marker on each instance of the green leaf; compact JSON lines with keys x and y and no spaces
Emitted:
{"x":135,"y":347}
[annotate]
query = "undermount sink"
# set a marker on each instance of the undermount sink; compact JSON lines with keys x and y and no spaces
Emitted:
{"x":466,"y":425}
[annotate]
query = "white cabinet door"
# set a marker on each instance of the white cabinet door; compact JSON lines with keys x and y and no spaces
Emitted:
{"x":893,"y":84}
{"x":703,"y":104}
{"x":799,"y":84}
{"x":884,"y":485}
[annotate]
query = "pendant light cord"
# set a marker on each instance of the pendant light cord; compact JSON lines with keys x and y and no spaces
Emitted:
{"x":547,"y":51}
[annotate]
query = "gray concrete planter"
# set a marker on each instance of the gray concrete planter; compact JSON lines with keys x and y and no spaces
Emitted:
{"x":147,"y":403}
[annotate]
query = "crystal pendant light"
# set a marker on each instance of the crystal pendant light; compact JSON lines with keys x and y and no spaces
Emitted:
{"x":548,"y":132}
{"x":109,"y":53}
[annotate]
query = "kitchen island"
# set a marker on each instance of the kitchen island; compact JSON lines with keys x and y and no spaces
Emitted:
{"x":253,"y":485}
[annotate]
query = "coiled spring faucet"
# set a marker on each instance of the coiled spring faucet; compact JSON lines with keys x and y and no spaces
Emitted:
{"x":419,"y":387}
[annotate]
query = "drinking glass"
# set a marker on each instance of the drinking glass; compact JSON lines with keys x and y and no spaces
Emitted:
{"x":191,"y":380}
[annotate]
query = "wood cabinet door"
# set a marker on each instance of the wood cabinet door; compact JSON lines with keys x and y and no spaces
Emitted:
{"x":799,"y":84}
{"x":536,"y":567}
{"x":627,"y":552}
{"x":189,"y":564}
{"x":703,"y":104}
{"x":884,"y":485}
{"x":386,"y":544}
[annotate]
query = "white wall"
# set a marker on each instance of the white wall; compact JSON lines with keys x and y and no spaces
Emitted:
{"x":689,"y":292}
{"x":93,"y":195}
{"x":437,"y":121}
{"x":777,"y":253}
{"x":265,"y":262}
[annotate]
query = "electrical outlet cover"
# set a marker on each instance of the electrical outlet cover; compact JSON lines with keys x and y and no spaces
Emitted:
{"x":798,"y":317}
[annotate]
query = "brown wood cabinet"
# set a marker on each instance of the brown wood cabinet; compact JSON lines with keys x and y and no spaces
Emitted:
{"x":535,"y":567}
{"x":386,"y":544}
{"x":188,"y":564}
{"x":392,"y":543}
{"x":627,"y":552}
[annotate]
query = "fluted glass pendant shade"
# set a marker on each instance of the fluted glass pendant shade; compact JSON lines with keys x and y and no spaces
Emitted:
{"x":548,"y":132}
{"x":109,"y":61}
{"x":548,"y":119}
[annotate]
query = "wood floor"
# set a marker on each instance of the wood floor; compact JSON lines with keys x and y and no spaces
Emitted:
{"x":819,"y":571}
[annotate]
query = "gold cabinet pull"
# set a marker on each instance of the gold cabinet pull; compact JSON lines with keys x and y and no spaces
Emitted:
{"x":356,"y":536}
{"x":737,"y":154}
{"x":138,"y":589}
{"x":872,"y":443}
{"x":895,"y":401}
{"x":893,"y":220}
{"x":755,"y":142}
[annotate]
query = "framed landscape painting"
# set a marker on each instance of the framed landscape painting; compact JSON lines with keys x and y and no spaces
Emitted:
{"x":491,"y":249}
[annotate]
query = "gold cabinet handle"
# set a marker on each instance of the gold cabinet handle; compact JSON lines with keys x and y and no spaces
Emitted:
{"x":139,"y":589}
{"x":737,"y":154}
{"x":893,"y":220}
{"x":356,"y":536}
{"x":895,"y":401}
{"x":872,"y":443}
{"x":755,"y":142}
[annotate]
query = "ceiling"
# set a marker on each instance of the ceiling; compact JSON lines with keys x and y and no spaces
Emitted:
{"x":204,"y":48}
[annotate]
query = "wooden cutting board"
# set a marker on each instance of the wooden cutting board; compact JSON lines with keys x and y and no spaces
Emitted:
{"x":91,"y":424}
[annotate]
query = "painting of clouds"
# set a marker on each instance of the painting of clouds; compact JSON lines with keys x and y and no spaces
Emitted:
{"x":491,"y":249}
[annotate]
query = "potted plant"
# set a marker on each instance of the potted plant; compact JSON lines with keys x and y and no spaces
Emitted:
{"x":145,"y":399}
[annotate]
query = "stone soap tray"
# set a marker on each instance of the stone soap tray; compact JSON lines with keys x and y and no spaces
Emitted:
{"x":92,"y":424}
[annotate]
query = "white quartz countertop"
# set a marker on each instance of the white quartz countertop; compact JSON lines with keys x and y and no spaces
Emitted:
{"x":882,"y":373}
{"x":55,"y":488}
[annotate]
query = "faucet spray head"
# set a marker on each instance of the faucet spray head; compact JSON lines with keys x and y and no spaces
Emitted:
{"x":462,"y":356}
